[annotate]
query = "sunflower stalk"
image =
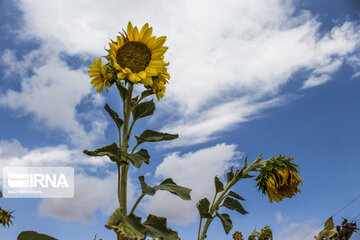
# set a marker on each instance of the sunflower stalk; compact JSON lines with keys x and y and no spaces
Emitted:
{"x":216,"y":204}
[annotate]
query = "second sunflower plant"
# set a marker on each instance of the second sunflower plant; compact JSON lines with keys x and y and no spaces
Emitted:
{"x":137,"y":58}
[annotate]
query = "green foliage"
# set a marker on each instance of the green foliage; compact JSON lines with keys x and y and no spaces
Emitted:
{"x":119,"y":122}
{"x":329,"y":224}
{"x":203,"y":208}
{"x":143,"y":110}
{"x":167,"y":185}
{"x":235,"y":195}
{"x":219,"y":186}
{"x":234,"y":204}
{"x":131,"y":227}
{"x":124,"y":93}
{"x":139,"y":157}
{"x":112,"y":151}
{"x":31,"y":235}
{"x":226,"y":221}
{"x":153,"y":136}
{"x":229,"y":175}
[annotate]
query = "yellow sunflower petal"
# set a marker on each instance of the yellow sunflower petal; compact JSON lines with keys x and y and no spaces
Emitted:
{"x":158,"y":52}
{"x":136,"y":34}
{"x":130,"y":31}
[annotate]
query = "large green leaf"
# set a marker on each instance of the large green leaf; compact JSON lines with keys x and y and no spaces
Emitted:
{"x":235,"y":195}
{"x":233,"y":204}
{"x":219,"y":186}
{"x":112,"y":151}
{"x":119,"y":122}
{"x":139,"y":157}
{"x":146,"y":93}
{"x":156,"y":227}
{"x":153,"y":136}
{"x":167,"y":185}
{"x":203,"y":207}
{"x":329,"y":224}
{"x":143,"y":110}
{"x":226,"y":221}
{"x":129,"y":227}
{"x":31,"y":235}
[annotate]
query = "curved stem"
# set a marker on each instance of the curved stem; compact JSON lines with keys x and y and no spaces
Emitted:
{"x":136,"y":203}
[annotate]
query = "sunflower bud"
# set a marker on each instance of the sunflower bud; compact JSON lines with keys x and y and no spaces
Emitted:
{"x":237,"y":236}
{"x":278,"y":178}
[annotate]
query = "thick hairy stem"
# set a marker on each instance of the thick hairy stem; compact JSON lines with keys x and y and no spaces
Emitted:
{"x":216,"y":204}
{"x":125,"y":145}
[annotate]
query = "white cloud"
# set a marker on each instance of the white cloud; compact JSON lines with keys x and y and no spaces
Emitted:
{"x":220,"y":52}
{"x":91,"y":193}
{"x":195,"y":170}
{"x":300,"y":230}
{"x":52,"y":94}
{"x":13,"y":154}
{"x":278,"y":216}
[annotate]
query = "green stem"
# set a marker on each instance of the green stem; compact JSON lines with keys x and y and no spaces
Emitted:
{"x":125,"y":145}
{"x":199,"y":228}
{"x":119,"y":186}
{"x":214,"y":207}
{"x":136,"y":203}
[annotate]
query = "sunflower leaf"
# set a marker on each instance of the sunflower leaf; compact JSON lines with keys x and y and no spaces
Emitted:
{"x":219,"y":186}
{"x":124,"y":93}
{"x":153,"y":136}
{"x":235,"y":195}
{"x":143,"y":110}
{"x":31,"y":235}
{"x":156,"y":227}
{"x":129,"y":226}
{"x":112,"y":151}
{"x":167,"y":185}
{"x":226,"y":222}
{"x":233,"y":204}
{"x":229,"y":175}
{"x":139,"y":157}
{"x":203,"y":208}
{"x":118,"y":121}
{"x":146,"y":93}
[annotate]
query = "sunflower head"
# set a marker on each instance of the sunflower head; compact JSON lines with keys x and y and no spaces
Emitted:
{"x":100,"y":75}
{"x":138,"y":57}
{"x":5,"y":217}
{"x":278,"y":178}
{"x":237,"y":236}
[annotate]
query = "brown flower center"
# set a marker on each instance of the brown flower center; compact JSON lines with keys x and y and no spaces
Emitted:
{"x":134,"y":55}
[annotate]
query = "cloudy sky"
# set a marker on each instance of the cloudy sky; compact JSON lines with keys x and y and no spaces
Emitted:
{"x":247,"y":77}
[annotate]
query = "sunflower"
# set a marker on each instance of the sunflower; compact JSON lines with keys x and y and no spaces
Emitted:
{"x":159,"y":84}
{"x":137,"y":56}
{"x":278,"y":178}
{"x":100,"y":75}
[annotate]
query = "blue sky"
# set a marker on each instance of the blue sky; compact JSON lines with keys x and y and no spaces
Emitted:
{"x":247,"y":77}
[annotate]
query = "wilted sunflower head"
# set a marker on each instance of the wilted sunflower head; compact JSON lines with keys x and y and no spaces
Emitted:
{"x":278,"y":178}
{"x":138,"y":56}
{"x":100,"y":75}
{"x":5,"y":217}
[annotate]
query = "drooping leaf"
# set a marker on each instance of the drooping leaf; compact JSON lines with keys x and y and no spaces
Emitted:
{"x":329,"y":224}
{"x":153,"y":136}
{"x":167,"y":185}
{"x":119,"y":122}
{"x":31,"y":235}
{"x":226,"y":221}
{"x":124,"y":93}
{"x":112,"y":151}
{"x":146,"y":189}
{"x":139,"y":157}
{"x":233,"y":204}
{"x":170,"y":186}
{"x":143,"y":109}
{"x":129,"y":227}
{"x":235,"y":195}
{"x":229,"y":175}
{"x":219,"y":186}
{"x":156,"y":227}
{"x":203,"y":208}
